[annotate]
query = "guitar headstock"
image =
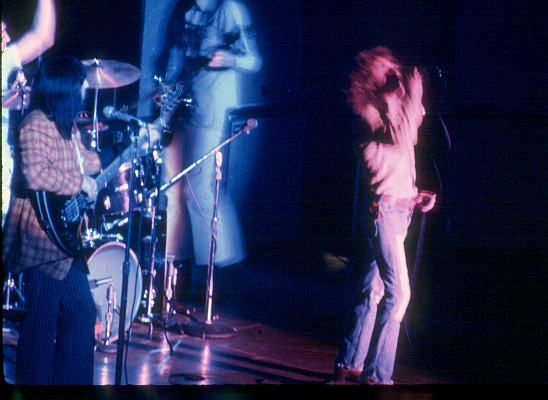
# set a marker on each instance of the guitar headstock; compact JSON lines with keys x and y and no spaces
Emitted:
{"x":170,"y":100}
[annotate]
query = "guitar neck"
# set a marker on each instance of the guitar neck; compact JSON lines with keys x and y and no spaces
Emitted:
{"x":111,"y":171}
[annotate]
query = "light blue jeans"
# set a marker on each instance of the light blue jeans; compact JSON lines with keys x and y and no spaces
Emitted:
{"x":370,"y":338}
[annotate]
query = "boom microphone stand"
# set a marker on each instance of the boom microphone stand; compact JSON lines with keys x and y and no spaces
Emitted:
{"x":209,"y":329}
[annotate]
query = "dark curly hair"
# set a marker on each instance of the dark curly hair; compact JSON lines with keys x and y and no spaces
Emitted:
{"x":57,"y":91}
{"x":363,"y":88}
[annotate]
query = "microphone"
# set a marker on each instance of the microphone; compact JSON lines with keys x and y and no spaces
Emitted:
{"x":110,"y":112}
{"x":250,"y":124}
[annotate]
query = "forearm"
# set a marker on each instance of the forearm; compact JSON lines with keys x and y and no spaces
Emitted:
{"x":41,"y":35}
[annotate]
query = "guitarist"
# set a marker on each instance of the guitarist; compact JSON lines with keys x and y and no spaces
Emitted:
{"x":56,"y":339}
{"x":207,"y":44}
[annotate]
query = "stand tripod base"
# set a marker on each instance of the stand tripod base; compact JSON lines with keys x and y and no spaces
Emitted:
{"x":209,"y":331}
{"x":107,"y":348}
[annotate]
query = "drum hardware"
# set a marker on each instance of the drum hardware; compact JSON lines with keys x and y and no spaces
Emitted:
{"x":106,"y":345}
{"x":9,"y":287}
{"x":17,"y":96}
{"x":91,"y":236}
{"x":170,"y":282}
{"x":98,"y":282}
{"x":152,"y":260}
{"x":110,"y":74}
{"x":150,"y":291}
{"x":90,"y":134}
{"x":157,"y":309}
{"x":119,"y":222}
{"x":16,"y":99}
{"x":105,"y":280}
{"x":152,"y":207}
{"x":107,"y":74}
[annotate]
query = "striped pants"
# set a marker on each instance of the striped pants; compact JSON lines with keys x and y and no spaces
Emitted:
{"x":56,"y":338}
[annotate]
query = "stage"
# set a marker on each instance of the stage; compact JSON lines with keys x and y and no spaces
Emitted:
{"x":281,"y":311}
{"x":278,"y":324}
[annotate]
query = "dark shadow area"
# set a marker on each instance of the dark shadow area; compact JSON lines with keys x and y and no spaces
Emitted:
{"x":476,"y":315}
{"x":478,"y":307}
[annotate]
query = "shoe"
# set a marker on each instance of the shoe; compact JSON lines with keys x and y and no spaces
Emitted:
{"x":371,"y":382}
{"x":343,"y":375}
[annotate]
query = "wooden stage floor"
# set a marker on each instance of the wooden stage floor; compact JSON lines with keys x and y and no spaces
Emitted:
{"x":276,"y":323}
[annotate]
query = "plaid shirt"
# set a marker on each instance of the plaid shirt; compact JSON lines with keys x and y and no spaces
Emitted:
{"x":43,"y":161}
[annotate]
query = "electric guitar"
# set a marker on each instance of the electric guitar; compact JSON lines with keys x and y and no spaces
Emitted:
{"x":61,"y":216}
{"x":174,"y":95}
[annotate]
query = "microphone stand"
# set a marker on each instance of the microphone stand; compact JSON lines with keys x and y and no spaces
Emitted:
{"x":149,"y":316}
{"x":251,"y":124}
{"x":209,"y":329}
{"x":213,"y":240}
{"x":126,"y":266}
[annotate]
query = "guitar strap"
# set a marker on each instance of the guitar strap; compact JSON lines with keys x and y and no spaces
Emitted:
{"x":84,"y":220}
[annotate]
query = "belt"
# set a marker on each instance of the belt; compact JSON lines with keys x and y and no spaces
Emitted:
{"x":397,"y":202}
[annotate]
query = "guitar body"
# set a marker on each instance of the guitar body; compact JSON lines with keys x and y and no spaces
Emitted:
{"x":61,"y":217}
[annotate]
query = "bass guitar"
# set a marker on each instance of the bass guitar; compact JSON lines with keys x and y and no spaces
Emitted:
{"x":62,"y":216}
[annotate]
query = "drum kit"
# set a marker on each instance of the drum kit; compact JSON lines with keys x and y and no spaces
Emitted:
{"x":124,"y":234}
{"x":105,"y":232}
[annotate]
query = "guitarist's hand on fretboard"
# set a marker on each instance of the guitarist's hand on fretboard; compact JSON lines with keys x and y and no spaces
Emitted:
{"x":89,"y":187}
{"x":221,"y":59}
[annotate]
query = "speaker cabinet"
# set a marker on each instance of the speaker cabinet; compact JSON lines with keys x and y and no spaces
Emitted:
{"x":264,"y":171}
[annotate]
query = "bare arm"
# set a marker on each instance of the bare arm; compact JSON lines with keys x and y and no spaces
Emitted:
{"x":41,"y":35}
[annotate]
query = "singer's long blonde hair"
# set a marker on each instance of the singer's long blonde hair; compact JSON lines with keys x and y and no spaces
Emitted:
{"x":363,"y":87}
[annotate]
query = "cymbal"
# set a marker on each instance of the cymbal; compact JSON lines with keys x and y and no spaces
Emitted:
{"x":16,"y":99}
{"x":107,"y":74}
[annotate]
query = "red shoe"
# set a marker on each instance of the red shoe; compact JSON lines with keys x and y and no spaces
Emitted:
{"x":343,"y":375}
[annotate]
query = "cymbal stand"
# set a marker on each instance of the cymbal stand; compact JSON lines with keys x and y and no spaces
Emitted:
{"x":106,"y":345}
{"x":170,"y":283}
{"x":95,"y":124}
{"x":9,"y":317}
{"x":9,"y":286}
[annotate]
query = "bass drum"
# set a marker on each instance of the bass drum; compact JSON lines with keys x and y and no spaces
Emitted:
{"x":106,"y":278}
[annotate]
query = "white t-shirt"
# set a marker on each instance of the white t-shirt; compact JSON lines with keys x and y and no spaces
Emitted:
{"x":388,"y":158}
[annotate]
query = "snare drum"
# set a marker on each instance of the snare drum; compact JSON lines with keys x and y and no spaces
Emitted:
{"x":106,"y":278}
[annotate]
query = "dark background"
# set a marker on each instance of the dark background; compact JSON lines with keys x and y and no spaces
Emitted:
{"x":484,"y":276}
